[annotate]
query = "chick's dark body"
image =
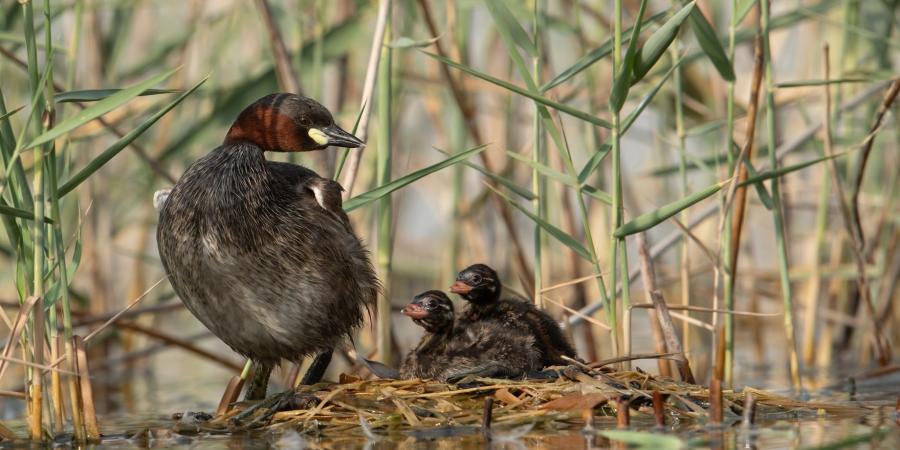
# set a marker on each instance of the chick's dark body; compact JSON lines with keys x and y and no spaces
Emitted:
{"x":522,"y":316}
{"x":262,"y":254}
{"x":483,"y":348}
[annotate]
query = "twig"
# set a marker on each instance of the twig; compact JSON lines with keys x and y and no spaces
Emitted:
{"x":362,"y":130}
{"x":863,"y":157}
{"x":486,"y":416}
{"x":665,"y":320}
{"x":123,"y":311}
{"x":287,"y":78}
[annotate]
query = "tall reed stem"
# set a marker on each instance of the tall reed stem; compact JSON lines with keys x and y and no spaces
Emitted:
{"x":727,"y":270}
{"x":539,"y":157}
{"x":385,"y":213}
{"x":777,"y":214}
{"x":616,"y":218}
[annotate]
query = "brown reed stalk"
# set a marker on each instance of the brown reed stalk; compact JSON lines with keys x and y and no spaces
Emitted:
{"x":92,"y":429}
{"x":882,"y":347}
{"x":469,"y":116}
{"x":673,"y":344}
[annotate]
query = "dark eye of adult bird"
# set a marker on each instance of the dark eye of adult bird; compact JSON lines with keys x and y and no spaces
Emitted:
{"x":485,"y":304}
{"x":261,"y":252}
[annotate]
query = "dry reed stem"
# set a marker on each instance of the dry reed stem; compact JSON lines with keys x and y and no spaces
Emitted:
{"x":469,"y":117}
{"x":16,"y":331}
{"x":92,"y":430}
{"x":648,"y":277}
{"x":783,"y":150}
{"x":362,"y":130}
{"x":882,"y":346}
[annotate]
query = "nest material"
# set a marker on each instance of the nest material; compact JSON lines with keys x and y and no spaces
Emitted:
{"x":569,"y":402}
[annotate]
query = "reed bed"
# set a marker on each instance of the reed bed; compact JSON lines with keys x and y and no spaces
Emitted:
{"x":739,"y":157}
{"x":574,"y":401}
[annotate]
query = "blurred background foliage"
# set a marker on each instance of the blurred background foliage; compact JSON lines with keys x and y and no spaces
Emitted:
{"x":448,"y":220}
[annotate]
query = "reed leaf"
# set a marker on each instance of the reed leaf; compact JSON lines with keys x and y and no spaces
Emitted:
{"x":574,"y":112}
{"x":368,"y":197}
{"x":597,"y":194}
{"x":545,"y":170}
{"x":659,"y":41}
{"x":120,"y":145}
{"x":508,"y":24}
{"x":10,"y":113}
{"x":651,"y":219}
{"x":20,"y":213}
{"x":93,"y":95}
{"x":710,"y":44}
{"x":590,"y":58}
{"x":623,"y":79}
{"x":593,"y":163}
{"x":100,"y":108}
{"x":560,"y":235}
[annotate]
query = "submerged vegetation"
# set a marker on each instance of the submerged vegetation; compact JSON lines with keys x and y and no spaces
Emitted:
{"x":719,"y":178}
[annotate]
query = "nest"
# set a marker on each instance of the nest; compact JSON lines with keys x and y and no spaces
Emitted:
{"x":575,"y":399}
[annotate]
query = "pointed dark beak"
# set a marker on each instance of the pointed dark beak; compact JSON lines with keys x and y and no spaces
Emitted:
{"x":458,"y":287}
{"x":340,"y":138}
{"x":414,"y":311}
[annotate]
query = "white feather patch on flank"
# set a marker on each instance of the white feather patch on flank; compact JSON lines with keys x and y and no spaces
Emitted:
{"x":320,"y":195}
{"x":160,"y":197}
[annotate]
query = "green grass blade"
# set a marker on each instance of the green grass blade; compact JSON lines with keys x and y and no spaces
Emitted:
{"x":593,"y":163}
{"x":659,"y":41}
{"x":524,"y":92}
{"x":560,"y":235}
{"x":506,"y":182}
{"x":808,"y":83}
{"x":507,"y":22}
{"x":769,"y":174}
{"x":10,"y":113}
{"x":587,"y":60}
{"x":623,"y":79}
{"x":120,"y":145}
{"x":98,"y":109}
{"x":633,"y":115}
{"x":761,"y":190}
{"x":544,"y":169}
{"x":710,"y":44}
{"x":597,"y":194}
{"x":743,"y":8}
{"x":93,"y":95}
{"x":651,"y":219}
{"x":20,"y":213}
{"x":368,"y":197}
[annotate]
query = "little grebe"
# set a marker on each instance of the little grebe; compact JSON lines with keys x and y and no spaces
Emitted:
{"x":260,"y":251}
{"x":480,"y":286}
{"x":448,"y":352}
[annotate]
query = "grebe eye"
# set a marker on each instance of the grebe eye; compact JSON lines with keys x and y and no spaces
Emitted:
{"x":476,"y":279}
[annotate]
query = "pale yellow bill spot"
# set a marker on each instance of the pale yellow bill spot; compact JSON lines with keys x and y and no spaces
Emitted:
{"x":317,"y":135}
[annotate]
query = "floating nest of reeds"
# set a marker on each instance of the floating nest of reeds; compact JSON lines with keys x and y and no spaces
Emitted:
{"x":575,"y":399}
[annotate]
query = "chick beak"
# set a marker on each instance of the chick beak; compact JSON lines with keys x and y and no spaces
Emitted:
{"x":414,"y":311}
{"x":340,"y":138}
{"x":458,"y":287}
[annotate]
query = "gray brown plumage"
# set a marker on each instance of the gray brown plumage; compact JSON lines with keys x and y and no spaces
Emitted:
{"x":449,"y":352}
{"x":261,"y":252}
{"x":480,"y":285}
